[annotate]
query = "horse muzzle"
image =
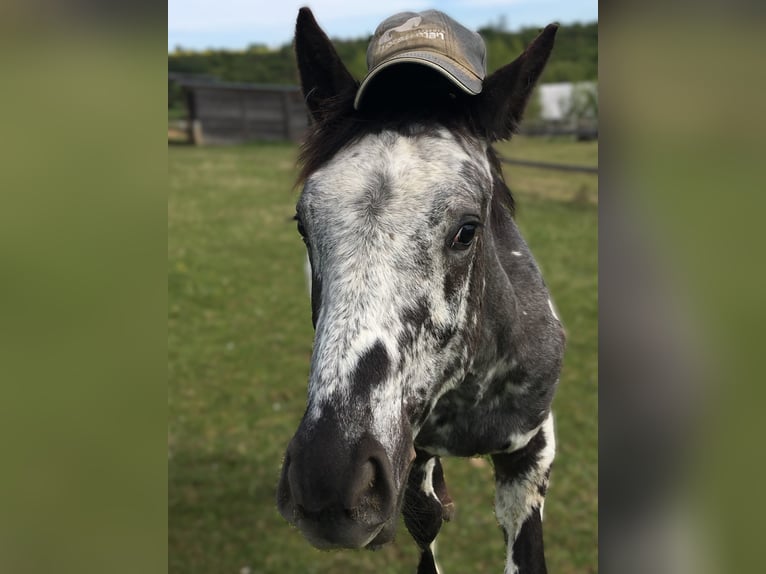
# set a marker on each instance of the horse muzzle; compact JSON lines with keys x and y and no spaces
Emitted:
{"x":338,"y":495}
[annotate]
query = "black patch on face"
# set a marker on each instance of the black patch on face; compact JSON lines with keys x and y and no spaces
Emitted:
{"x":418,"y":318}
{"x":372,"y":368}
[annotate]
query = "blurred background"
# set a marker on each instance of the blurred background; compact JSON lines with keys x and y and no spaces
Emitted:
{"x":239,"y":330}
{"x":99,"y":425}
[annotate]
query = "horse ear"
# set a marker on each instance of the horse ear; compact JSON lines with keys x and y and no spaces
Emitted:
{"x":500,"y":105}
{"x":323,"y":75}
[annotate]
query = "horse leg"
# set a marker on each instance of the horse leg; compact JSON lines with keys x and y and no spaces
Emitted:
{"x":521,"y":480}
{"x":426,"y":506}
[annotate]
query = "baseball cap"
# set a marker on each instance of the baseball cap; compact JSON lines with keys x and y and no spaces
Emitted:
{"x":430,"y":38}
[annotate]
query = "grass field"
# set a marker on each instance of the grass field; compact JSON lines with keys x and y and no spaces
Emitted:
{"x":239,"y":343}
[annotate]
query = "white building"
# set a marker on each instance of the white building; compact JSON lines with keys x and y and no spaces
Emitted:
{"x":556,"y":100}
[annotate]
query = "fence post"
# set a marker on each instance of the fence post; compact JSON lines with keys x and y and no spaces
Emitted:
{"x":195,"y":128}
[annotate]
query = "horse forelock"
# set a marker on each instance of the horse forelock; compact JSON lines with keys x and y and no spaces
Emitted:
{"x":339,"y":125}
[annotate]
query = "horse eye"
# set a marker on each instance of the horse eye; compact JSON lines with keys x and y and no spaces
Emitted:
{"x":464,"y":237}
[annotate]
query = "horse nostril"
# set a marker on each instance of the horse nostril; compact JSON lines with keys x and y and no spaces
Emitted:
{"x":372,"y":493}
{"x":367,"y":474}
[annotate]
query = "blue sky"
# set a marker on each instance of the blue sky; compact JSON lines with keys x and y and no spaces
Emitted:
{"x":234,"y":24}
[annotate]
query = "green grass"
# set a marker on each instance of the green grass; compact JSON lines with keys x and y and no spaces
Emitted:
{"x":239,"y":339}
{"x":564,"y":186}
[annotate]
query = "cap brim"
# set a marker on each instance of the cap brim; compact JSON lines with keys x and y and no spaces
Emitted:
{"x":456,"y":73}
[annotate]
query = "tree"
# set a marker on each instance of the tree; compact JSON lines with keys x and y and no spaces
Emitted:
{"x":583,"y":102}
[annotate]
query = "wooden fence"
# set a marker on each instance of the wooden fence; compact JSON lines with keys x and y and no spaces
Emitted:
{"x":548,"y":165}
{"x":227,"y":113}
{"x":585,"y":129}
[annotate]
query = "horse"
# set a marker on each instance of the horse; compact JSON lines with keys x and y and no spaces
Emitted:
{"x":435,"y":334}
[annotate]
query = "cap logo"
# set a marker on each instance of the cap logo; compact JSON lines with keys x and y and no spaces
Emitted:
{"x":431,"y":39}
{"x":399,"y":34}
